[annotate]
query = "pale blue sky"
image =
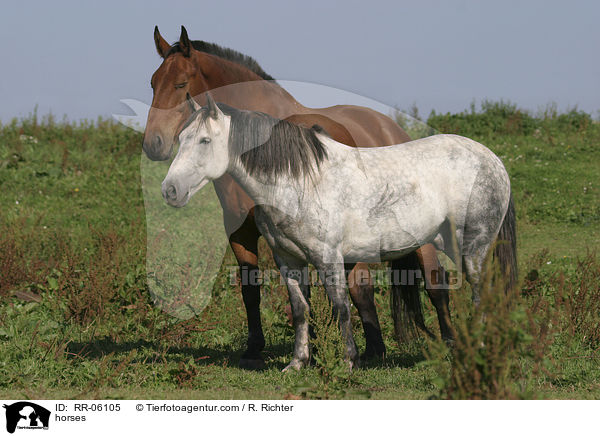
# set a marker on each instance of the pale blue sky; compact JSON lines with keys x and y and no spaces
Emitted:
{"x":80,"y":59}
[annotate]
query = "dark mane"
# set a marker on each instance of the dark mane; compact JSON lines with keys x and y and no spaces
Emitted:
{"x":224,"y":53}
{"x":271,"y":147}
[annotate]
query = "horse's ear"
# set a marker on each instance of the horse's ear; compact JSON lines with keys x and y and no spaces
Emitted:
{"x":184,"y":43}
{"x":162,"y":46}
{"x":191,"y":102}
{"x":213,"y":110}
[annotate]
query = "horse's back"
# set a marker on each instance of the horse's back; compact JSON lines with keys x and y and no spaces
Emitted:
{"x":368,"y":127}
{"x":462,"y":168}
{"x":428,"y":179}
{"x":439,"y":158}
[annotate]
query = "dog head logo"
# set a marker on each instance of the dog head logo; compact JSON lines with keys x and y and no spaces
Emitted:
{"x":26,"y":415}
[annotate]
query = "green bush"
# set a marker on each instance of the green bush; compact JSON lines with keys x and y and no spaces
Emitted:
{"x":494,"y":118}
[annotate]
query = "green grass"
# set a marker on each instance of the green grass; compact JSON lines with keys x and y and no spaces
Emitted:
{"x":77,"y":319}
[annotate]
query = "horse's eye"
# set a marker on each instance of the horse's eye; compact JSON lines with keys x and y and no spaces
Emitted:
{"x":180,"y":85}
{"x":205,"y":141}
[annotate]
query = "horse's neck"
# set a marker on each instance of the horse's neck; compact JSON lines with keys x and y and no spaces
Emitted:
{"x":241,"y":88}
{"x":261,"y":190}
{"x":256,"y":188}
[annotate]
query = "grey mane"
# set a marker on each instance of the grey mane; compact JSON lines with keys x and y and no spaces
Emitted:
{"x":268,"y":146}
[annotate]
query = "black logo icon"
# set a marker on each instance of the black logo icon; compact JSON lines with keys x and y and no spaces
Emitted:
{"x":26,"y":415}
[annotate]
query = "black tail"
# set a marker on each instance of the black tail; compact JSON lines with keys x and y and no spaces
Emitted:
{"x":405,"y":302}
{"x":505,"y":250}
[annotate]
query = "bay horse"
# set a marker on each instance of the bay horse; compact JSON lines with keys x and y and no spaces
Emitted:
{"x":322,"y":202}
{"x":195,"y":67}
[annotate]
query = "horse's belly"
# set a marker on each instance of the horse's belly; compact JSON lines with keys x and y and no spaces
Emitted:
{"x":365,"y":245}
{"x":375,"y":254}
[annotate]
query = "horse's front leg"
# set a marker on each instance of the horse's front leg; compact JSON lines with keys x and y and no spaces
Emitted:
{"x":295,"y":276}
{"x":240,"y":225}
{"x":244,"y":243}
{"x":333,"y":278}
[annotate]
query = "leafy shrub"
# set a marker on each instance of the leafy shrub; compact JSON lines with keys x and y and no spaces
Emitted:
{"x":513,"y":341}
{"x":494,"y":118}
{"x":490,"y":343}
{"x":579,"y":296}
{"x":328,"y":345}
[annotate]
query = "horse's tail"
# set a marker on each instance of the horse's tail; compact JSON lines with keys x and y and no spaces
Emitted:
{"x":505,"y":250}
{"x":405,"y":302}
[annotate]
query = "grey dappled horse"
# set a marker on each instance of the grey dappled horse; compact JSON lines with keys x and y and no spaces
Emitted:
{"x":324,"y":203}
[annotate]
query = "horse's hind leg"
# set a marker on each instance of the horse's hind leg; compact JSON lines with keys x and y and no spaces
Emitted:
{"x":362,"y":294}
{"x":473,"y":265}
{"x":333,"y":278}
{"x":407,"y":311}
{"x":436,"y":284}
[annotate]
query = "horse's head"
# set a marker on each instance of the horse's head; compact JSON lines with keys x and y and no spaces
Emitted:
{"x":179,"y":74}
{"x":203,"y":153}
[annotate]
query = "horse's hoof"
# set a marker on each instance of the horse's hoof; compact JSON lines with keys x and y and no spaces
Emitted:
{"x":353,"y":364}
{"x":252,"y":364}
{"x":449,"y":341}
{"x":371,"y":354}
{"x":295,"y":364}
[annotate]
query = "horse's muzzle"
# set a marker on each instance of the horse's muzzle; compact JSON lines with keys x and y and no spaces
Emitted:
{"x":174,"y":195}
{"x":156,"y":149}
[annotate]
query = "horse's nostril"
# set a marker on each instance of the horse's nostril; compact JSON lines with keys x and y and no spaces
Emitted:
{"x":171,"y":193}
{"x":156,"y":142}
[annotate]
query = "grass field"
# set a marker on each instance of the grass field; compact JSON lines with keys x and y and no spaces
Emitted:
{"x":77,"y":319}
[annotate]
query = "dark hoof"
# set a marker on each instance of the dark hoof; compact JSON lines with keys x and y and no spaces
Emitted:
{"x":252,"y":364}
{"x":371,"y":354}
{"x":450,"y":342}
